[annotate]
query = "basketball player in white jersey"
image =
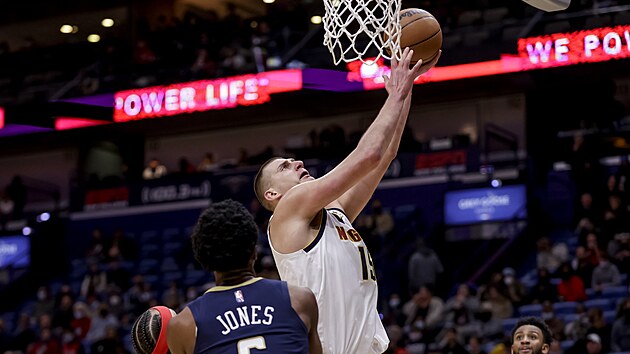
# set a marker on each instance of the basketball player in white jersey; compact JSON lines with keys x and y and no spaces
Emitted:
{"x":310,"y":232}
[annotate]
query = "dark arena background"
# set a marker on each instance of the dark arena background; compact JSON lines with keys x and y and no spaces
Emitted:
{"x":510,"y":196}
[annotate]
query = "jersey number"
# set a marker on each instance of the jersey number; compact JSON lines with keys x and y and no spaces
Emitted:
{"x":246,"y":345}
{"x":366,"y":264}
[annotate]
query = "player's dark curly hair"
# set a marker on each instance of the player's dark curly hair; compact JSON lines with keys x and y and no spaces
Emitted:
{"x":146,"y":331}
{"x":536,"y":322}
{"x":224,"y":237}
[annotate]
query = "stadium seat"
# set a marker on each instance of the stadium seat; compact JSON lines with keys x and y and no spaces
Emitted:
{"x":622,"y":18}
{"x":171,"y":234}
{"x":570,"y":317}
{"x":566,"y":344}
{"x":508,"y":324}
{"x":603,"y":304}
{"x":563,"y":308}
{"x":468,"y":18}
{"x":615,"y":292}
{"x":591,"y":293}
{"x":597,"y":21}
{"x":557,"y":27}
{"x":168,"y":265}
{"x":147,"y":265}
{"x":610,"y":316}
{"x":494,"y":15}
{"x":530,"y":310}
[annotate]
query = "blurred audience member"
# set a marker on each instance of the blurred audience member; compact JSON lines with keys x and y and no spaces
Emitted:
{"x":571,"y":287}
{"x":208,"y":163}
{"x":452,"y":344}
{"x":47,"y":344}
{"x":154,"y":170}
{"x":620,"y":341}
{"x":45,"y":303}
{"x":550,"y":256}
{"x":515,"y":289}
{"x":424,"y":310}
{"x":543,"y":290}
{"x":605,"y":274}
{"x":424,"y":267}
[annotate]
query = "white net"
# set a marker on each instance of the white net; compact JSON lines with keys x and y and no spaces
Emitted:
{"x":355,"y":29}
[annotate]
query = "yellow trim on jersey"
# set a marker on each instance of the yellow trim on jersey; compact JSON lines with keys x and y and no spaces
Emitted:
{"x":223,"y":288}
{"x":318,"y":230}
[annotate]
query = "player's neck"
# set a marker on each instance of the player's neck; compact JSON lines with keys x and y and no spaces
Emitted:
{"x":234,"y":277}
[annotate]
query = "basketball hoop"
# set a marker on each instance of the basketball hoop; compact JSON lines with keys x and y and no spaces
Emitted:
{"x":355,"y":29}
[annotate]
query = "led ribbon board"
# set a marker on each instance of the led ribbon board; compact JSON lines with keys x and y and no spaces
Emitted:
{"x":197,"y":96}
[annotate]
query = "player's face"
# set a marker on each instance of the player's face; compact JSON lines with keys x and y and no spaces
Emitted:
{"x":529,"y":339}
{"x":287,"y":173}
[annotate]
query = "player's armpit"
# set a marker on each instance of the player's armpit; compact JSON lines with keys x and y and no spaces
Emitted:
{"x":181,"y":333}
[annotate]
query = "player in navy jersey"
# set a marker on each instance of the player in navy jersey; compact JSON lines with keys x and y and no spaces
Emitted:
{"x":242,"y":314}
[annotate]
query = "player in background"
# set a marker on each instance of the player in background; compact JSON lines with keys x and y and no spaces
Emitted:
{"x":531,"y":335}
{"x":311,"y":233}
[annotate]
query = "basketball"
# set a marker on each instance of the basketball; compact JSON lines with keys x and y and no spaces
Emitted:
{"x":420,"y":32}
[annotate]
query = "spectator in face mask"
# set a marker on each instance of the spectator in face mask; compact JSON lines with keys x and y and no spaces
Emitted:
{"x":571,"y":287}
{"x":556,"y":325}
{"x":82,"y":321}
{"x":70,"y":344}
{"x":45,"y":302}
{"x":621,"y":329}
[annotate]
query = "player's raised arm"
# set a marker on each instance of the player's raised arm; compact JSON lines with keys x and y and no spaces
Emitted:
{"x":305,"y":200}
{"x":355,"y":199}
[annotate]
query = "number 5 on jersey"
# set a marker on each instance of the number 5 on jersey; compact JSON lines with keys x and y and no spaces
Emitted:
{"x":367,"y":266}
{"x":246,"y":345}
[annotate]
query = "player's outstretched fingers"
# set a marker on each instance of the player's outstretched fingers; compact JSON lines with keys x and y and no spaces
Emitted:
{"x":407,"y":58}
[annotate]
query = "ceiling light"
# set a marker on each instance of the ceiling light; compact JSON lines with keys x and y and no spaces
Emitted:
{"x":269,"y":1}
{"x":93,"y":38}
{"x":316,"y":20}
{"x":65,"y":29}
{"x":107,"y":22}
{"x":75,"y":29}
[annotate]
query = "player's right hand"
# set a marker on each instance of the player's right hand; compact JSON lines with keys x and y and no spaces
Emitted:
{"x":401,"y":78}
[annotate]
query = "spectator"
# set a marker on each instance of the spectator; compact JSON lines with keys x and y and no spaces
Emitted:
{"x":70,"y":344}
{"x":605,"y":274}
{"x":424,"y":310}
{"x":555,"y":348}
{"x":452,"y":344}
{"x":571,"y":287}
{"x":63,"y":315}
{"x":582,"y":264}
{"x":515,"y":289}
{"x":586,"y":208}
{"x":94,"y":281}
{"x":64,"y":290}
{"x":550,"y":257}
{"x":117,"y":276}
{"x":173,"y":297}
{"x":23,"y":335}
{"x":578,"y":328}
{"x":100,"y":323}
{"x":82,"y":321}
{"x":185,"y":167}
{"x":121,"y":247}
{"x":45,"y":303}
{"x":487,"y":326}
{"x":381,"y":222}
{"x":600,"y":327}
{"x":593,"y":344}
{"x":556,"y":325}
{"x":474,"y":345}
{"x":424,"y":267}
{"x":96,"y":252}
{"x":154,"y":170}
{"x":46,"y":344}
{"x":543,"y":290}
{"x":109,"y":343}
{"x":620,"y":341}
{"x":461,"y":308}
{"x":396,"y":340}
{"x":208,"y":163}
{"x":619,"y":250}
{"x":501,"y":306}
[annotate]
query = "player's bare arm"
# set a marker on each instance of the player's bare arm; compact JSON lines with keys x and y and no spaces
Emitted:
{"x":304,"y":303}
{"x":354,"y":200}
{"x":181,"y":333}
{"x":290,"y":228}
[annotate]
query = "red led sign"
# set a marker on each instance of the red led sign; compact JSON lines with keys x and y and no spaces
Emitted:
{"x":596,"y":45}
{"x":246,"y":90}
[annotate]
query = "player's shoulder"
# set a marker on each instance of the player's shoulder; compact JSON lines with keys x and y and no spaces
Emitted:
{"x":301,"y":297}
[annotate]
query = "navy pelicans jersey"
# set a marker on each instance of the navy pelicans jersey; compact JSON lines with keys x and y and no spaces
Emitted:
{"x":253,"y":317}
{"x":338,"y":268}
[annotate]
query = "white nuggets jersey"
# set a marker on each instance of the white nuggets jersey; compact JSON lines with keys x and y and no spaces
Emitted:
{"x":338,"y":268}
